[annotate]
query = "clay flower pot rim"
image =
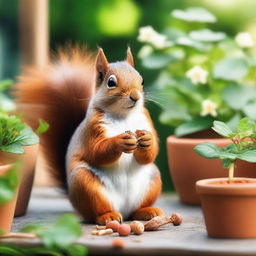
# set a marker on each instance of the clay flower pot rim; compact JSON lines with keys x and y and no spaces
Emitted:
{"x":210,"y":187}
{"x":181,"y":140}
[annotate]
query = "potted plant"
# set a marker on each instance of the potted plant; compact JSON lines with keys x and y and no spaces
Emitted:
{"x":203,"y":75}
{"x":229,"y":204}
{"x":8,"y":195}
{"x":10,"y":149}
{"x":16,"y":140}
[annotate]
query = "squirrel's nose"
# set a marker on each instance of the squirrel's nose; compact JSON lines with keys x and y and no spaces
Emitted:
{"x":134,"y":95}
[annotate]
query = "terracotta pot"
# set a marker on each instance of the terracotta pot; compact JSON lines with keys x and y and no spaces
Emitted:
{"x":186,"y":166}
{"x":7,"y":209}
{"x":27,"y":175}
{"x":229,"y":209}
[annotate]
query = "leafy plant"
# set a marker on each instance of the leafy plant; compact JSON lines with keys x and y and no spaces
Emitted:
{"x":15,"y":134}
{"x":243,"y":144}
{"x":203,"y":75}
{"x":58,"y":239}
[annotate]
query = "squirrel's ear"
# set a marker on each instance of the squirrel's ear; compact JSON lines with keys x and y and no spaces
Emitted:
{"x":129,"y":57}
{"x":101,"y":64}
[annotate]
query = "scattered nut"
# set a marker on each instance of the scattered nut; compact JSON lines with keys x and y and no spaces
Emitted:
{"x":118,"y":243}
{"x":176,"y":219}
{"x":100,"y":227}
{"x":114,"y":225}
{"x":102,"y":232}
{"x":124,"y":230}
{"x":137,"y":227}
{"x":159,"y":221}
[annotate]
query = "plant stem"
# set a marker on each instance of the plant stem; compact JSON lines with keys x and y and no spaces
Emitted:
{"x":231,"y":172}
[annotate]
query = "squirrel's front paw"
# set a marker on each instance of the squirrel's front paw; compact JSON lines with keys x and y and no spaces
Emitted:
{"x":127,"y":142}
{"x":145,"y":139}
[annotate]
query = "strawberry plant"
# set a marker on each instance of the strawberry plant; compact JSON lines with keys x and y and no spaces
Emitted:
{"x":243,"y":144}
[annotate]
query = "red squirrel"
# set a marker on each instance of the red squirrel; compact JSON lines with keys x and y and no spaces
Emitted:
{"x":101,"y":141}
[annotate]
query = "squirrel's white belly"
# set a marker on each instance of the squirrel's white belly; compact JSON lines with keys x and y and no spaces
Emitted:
{"x":126,"y":181}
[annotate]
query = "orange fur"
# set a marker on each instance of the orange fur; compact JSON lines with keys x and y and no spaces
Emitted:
{"x":86,"y":196}
{"x":59,"y":94}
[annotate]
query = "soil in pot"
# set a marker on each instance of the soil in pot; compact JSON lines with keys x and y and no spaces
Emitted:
{"x":229,"y":208}
{"x":7,"y":209}
{"x":186,"y":166}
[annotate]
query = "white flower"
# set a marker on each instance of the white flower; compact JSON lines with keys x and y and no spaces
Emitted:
{"x":146,"y":33}
{"x":197,"y":75}
{"x":208,"y":108}
{"x":244,"y":40}
{"x":149,"y":35}
{"x":145,"y":51}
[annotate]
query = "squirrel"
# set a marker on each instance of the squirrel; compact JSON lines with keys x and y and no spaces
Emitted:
{"x":101,"y":142}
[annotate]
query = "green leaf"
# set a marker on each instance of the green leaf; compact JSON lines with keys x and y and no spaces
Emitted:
{"x":6,"y":193}
{"x":76,"y":250}
{"x":9,"y":183}
{"x":231,"y":69}
{"x":245,"y":127}
{"x":221,"y":128}
{"x":250,"y":109}
{"x":195,"y":125}
{"x":13,"y":148}
{"x":43,"y":127}
{"x":186,"y":41}
{"x":206,"y":35}
{"x":233,"y":122}
{"x":27,"y":137}
{"x":208,"y":150}
{"x":194,"y":14}
{"x":8,"y":250}
{"x":157,"y":60}
{"x":237,"y":96}
{"x":61,"y":234}
{"x":248,"y":155}
{"x":228,"y":155}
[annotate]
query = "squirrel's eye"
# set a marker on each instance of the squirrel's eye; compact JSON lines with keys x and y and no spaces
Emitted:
{"x":112,"y":82}
{"x":142,"y":81}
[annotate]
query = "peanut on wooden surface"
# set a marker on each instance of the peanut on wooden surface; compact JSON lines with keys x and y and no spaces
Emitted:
{"x":137,"y":227}
{"x":114,"y":224}
{"x":118,"y":243}
{"x":159,"y":221}
{"x":124,"y":230}
{"x":102,"y":232}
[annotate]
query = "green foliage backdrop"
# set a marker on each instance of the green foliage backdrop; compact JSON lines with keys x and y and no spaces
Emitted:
{"x":113,"y":24}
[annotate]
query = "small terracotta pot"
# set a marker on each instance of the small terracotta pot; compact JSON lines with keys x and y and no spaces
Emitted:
{"x":229,"y":209}
{"x":7,"y":209}
{"x":27,"y":175}
{"x":186,"y":166}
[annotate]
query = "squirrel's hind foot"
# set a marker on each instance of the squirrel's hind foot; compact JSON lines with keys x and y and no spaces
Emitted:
{"x":147,"y":213}
{"x":109,"y":216}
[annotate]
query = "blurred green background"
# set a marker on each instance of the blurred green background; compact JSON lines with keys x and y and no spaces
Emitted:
{"x":113,"y":24}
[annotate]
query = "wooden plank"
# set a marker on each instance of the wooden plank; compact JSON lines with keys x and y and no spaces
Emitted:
{"x":188,"y":239}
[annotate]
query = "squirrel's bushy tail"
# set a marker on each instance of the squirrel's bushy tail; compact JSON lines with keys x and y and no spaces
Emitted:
{"x":58,"y":94}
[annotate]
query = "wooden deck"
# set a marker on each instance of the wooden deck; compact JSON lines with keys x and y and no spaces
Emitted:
{"x":188,"y":239}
